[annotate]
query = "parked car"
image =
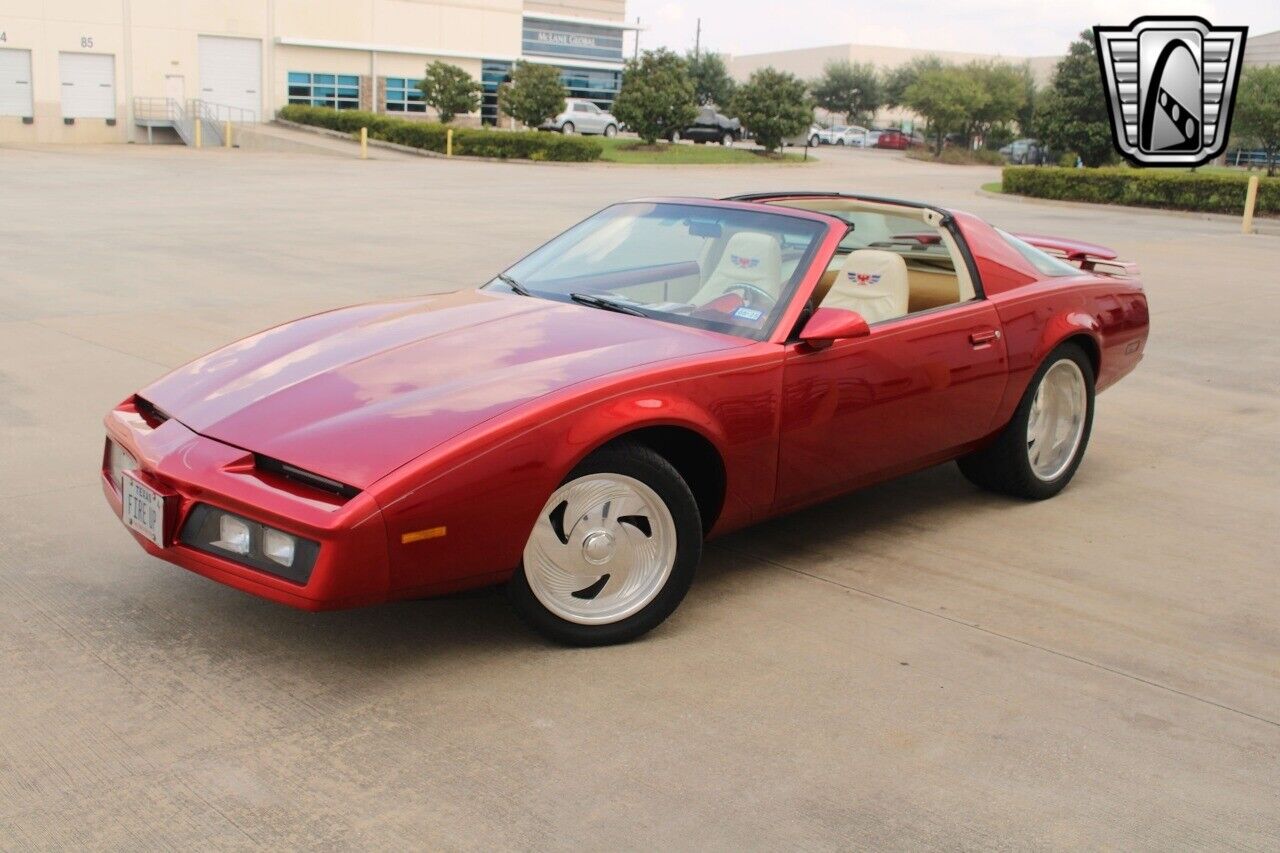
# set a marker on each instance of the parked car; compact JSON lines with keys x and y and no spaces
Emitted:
{"x":666,"y":371}
{"x":582,"y":116}
{"x":1024,"y":151}
{"x":840,"y":134}
{"x":710,"y":126}
{"x":898,"y":140}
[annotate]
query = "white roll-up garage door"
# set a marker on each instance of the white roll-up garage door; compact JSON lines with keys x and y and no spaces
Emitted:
{"x":15,"y":82}
{"x":88,"y":85}
{"x":231,"y":74}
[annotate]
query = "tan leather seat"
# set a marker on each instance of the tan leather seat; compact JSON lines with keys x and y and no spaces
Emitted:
{"x":872,"y":282}
{"x":753,"y":258}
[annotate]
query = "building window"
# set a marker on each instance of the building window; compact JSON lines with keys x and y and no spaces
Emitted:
{"x":492,"y":75}
{"x":404,"y":96}
{"x":336,"y":91}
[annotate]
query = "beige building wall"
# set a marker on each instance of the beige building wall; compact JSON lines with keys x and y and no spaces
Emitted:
{"x":155,"y":46}
{"x":602,"y":10}
{"x":1262,"y":50}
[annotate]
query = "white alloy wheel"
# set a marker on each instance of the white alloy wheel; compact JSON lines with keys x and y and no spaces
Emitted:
{"x":1056,"y":421}
{"x":601,"y":550}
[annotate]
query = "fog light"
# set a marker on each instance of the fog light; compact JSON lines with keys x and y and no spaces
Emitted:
{"x":233,"y":535}
{"x":278,"y":546}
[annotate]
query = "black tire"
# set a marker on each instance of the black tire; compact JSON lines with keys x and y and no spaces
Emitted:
{"x":643,"y":464}
{"x":727,"y":139}
{"x":610,"y":131}
{"x":814,"y":141}
{"x":567,"y":128}
{"x":1004,"y":465}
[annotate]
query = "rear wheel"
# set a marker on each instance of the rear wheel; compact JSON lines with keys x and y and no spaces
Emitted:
{"x":675,"y":136}
{"x":612,"y":552}
{"x":814,"y":141}
{"x":1038,"y":453}
{"x":567,"y":128}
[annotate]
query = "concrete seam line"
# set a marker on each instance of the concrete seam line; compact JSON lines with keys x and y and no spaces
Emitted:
{"x":1027,"y":643}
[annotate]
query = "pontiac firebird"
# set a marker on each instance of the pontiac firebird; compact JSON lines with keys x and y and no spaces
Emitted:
{"x":665,"y":371}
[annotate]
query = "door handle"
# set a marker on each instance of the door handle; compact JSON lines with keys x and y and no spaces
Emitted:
{"x":986,"y":336}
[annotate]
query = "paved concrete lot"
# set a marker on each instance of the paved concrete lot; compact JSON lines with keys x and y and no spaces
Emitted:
{"x":917,"y":665}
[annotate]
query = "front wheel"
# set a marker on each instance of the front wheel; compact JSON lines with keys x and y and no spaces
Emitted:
{"x":814,"y":141}
{"x":613,"y":551}
{"x":1038,"y":453}
{"x":727,"y":140}
{"x":675,"y":136}
{"x":611,"y":131}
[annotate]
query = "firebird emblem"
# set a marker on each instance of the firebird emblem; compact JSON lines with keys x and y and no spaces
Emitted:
{"x":863,"y":278}
{"x":744,"y":263}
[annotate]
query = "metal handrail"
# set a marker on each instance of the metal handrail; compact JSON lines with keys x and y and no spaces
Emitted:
{"x":158,"y":109}
{"x":212,"y":112}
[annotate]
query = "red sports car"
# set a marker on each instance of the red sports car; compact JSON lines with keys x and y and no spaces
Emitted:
{"x":666,"y":371}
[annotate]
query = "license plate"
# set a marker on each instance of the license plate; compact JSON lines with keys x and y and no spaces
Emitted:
{"x":143,"y":509}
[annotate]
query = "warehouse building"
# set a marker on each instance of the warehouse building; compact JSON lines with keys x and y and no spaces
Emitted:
{"x":112,"y":70}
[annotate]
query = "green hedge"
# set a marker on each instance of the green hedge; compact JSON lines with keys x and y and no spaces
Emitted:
{"x":1212,"y":192}
{"x":467,"y":141}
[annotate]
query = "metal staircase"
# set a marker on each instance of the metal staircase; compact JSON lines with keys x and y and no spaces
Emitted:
{"x":183,"y":118}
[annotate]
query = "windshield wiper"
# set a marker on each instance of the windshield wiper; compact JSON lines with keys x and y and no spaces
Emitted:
{"x":515,"y":286}
{"x":606,"y":303}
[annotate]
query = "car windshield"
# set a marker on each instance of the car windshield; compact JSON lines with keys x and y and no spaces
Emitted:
{"x":723,"y":269}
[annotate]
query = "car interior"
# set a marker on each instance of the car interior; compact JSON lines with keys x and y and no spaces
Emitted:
{"x":732,"y":270}
{"x":893,"y":261}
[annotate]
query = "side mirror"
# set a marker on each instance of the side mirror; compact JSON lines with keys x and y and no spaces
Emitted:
{"x":828,"y":325}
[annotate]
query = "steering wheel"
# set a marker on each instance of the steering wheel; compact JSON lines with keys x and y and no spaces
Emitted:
{"x":750,"y":292}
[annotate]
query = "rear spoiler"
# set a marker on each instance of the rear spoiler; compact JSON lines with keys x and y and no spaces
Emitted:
{"x":1088,"y":256}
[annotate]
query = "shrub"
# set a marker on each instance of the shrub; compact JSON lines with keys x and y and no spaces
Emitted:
{"x":657,"y":95}
{"x":959,"y":156}
{"x":430,"y":136}
{"x":1200,"y":191}
{"x":450,"y":90}
{"x":773,"y":105}
{"x":533,"y":95}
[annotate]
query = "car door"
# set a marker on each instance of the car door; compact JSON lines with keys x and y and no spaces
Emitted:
{"x":595,"y":119}
{"x":914,"y":390}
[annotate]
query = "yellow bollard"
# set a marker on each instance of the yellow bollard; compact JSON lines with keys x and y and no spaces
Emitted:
{"x":448,"y":142}
{"x":199,"y":141}
{"x":1250,"y":200}
{"x":364,"y":143}
{"x":226,"y":137}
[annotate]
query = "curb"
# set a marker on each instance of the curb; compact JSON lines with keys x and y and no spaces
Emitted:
{"x":420,"y":152}
{"x":1260,"y":227}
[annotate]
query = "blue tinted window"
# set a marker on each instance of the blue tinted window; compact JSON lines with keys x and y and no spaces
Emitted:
{"x":317,"y":90}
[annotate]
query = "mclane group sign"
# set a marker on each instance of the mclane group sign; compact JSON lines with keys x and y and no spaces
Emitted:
{"x":580,"y":41}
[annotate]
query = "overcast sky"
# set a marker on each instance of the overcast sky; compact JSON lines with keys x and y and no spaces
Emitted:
{"x":1008,"y":27}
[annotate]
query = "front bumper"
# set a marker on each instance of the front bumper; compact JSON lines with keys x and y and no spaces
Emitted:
{"x":351,"y":568}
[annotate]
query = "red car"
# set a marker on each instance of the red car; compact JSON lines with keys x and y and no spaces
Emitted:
{"x":898,"y":140}
{"x":666,"y":371}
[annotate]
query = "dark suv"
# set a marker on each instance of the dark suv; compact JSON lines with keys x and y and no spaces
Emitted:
{"x":710,"y":126}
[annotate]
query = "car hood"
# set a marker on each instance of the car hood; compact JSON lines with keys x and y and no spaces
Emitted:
{"x":355,"y":393}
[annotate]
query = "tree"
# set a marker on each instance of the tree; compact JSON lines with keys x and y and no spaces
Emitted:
{"x":1005,"y":89}
{"x":533,"y":95}
{"x":450,"y":90}
{"x":896,"y":81}
{"x":1257,"y":118}
{"x":948,"y":98}
{"x":850,"y":88}
{"x":1072,"y":114}
{"x":773,"y":106}
{"x":657,"y":95}
{"x":711,"y":81}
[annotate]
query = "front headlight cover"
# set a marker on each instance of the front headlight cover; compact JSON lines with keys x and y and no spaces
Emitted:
{"x":223,"y":534}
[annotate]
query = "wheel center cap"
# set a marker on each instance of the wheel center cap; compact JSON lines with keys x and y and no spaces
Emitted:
{"x":597,"y":548}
